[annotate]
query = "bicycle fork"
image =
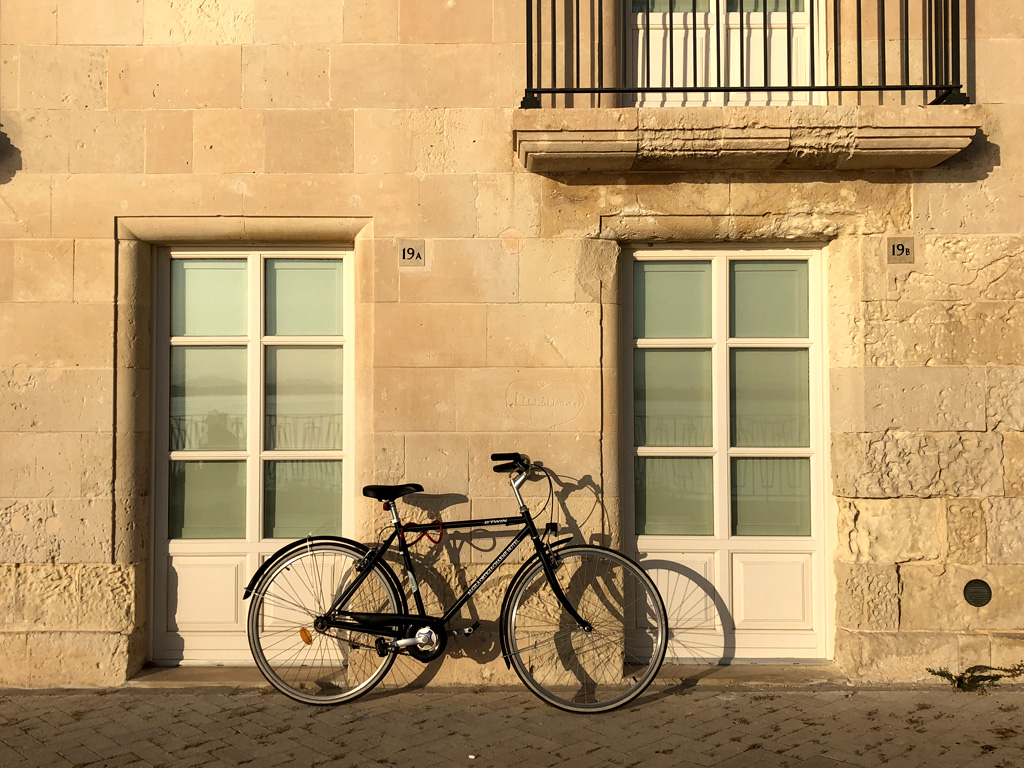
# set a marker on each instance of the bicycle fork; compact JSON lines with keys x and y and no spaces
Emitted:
{"x":546,"y":556}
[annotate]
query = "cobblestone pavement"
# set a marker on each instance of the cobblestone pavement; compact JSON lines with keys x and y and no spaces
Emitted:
{"x":669,"y":726}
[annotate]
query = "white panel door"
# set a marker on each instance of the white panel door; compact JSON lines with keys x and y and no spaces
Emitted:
{"x":253,"y":376}
{"x":726,"y":449}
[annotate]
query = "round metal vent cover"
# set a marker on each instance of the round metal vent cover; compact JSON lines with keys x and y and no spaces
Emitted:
{"x":977,"y":593}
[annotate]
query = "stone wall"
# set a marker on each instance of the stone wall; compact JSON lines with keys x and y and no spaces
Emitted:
{"x":247,"y":110}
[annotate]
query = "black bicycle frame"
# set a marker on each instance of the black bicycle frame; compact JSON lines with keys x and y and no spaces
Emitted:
{"x":382,"y":623}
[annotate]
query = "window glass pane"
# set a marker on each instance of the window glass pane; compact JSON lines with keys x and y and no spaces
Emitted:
{"x":770,"y":398}
{"x":678,"y":6}
{"x":207,"y":398}
{"x":207,"y":500}
{"x":300,"y":498}
{"x":208,"y":297}
{"x":304,"y":297}
{"x":771,"y":497}
{"x":672,"y":397}
{"x":768,"y":299}
{"x":304,"y":398}
{"x":672,"y":300}
{"x":674,"y":496}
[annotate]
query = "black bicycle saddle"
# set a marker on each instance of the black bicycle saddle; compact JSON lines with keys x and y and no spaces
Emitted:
{"x":391,"y":492}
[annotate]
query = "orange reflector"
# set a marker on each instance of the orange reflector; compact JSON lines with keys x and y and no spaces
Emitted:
{"x":306,"y":637}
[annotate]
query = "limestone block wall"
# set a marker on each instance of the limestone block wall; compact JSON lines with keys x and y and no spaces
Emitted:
{"x":255,"y":110}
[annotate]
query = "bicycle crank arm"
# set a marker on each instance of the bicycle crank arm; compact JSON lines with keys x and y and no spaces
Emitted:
{"x":466,"y":631}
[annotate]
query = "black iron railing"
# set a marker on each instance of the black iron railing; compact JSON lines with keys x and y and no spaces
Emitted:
{"x":717,"y":52}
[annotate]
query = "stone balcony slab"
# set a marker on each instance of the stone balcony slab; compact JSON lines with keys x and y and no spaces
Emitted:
{"x":742,"y":138}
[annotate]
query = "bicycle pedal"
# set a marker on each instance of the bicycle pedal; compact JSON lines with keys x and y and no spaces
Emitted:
{"x":382,"y":646}
{"x":465,"y":631}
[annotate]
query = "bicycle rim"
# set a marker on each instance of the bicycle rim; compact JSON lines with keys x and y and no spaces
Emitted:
{"x":307,"y":665}
{"x":581,"y":671}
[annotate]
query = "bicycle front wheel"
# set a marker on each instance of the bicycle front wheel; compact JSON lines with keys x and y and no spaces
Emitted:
{"x":310,"y":665}
{"x":573,"y":669}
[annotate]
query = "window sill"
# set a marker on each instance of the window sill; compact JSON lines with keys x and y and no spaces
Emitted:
{"x":836,"y":138}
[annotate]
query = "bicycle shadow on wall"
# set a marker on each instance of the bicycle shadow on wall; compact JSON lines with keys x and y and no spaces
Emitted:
{"x":702,"y":636}
{"x":443,"y":577}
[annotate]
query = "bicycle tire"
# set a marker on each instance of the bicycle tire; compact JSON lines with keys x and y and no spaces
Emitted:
{"x":575,"y":670}
{"x":307,"y":665}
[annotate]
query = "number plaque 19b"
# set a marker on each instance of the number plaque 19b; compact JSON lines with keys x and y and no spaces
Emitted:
{"x":900,"y":250}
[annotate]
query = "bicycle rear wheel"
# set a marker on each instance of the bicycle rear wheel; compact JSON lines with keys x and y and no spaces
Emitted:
{"x":305,"y":664}
{"x":582,"y":671}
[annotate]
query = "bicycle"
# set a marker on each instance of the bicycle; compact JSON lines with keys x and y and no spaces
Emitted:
{"x":583,"y":626}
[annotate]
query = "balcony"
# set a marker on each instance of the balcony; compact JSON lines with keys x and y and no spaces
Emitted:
{"x":695,"y":84}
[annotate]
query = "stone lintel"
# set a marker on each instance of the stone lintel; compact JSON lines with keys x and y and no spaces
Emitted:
{"x":741,"y":138}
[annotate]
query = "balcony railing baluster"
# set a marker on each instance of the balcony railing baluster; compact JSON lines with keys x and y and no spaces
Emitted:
{"x":654,"y":62}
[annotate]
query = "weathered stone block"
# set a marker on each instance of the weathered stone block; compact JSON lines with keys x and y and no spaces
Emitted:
{"x":1005,"y":534}
{"x":228,"y":141}
{"x":463,"y":272}
{"x":966,"y":531}
{"x":77,"y":658}
{"x":25,"y":206}
{"x":286,"y":76}
{"x":108,"y":142}
{"x":62,"y":77}
{"x":168,"y":141}
{"x":411,"y":400}
{"x":175,"y":77}
{"x":438,"y":462}
{"x":198,"y":22}
{"x":10,"y":71}
{"x":1013,"y":464}
{"x":308,"y":141}
{"x":55,"y":399}
{"x":85,"y":206}
{"x":42,"y":270}
{"x":547,"y":271}
{"x":301,"y":21}
{"x":1004,"y":405}
{"x":933,"y":598}
{"x":14,"y":669}
{"x":29,"y":22}
{"x":900,"y":464}
{"x":28,"y":338}
{"x":445,"y":21}
{"x":890,"y":531}
{"x":544,"y":335}
{"x":545,"y":400}
{"x":448,"y":206}
{"x":372,"y":21}
{"x":867,"y":597}
{"x":965,"y":268}
{"x":94,"y":271}
{"x":508,"y":209}
{"x":43,"y":137}
{"x":887,"y":656}
{"x":108,"y":597}
{"x":932,"y":398}
{"x":79,"y":22}
{"x":432,"y":325}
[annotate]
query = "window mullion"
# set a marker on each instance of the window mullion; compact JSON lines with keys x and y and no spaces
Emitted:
{"x":254,"y":468}
{"x":721,"y":392}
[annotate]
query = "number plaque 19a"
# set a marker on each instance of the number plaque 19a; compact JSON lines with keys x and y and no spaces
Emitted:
{"x":412,"y":254}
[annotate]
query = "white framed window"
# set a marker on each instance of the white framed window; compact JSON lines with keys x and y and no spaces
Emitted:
{"x":253,"y":426}
{"x":726,"y":44}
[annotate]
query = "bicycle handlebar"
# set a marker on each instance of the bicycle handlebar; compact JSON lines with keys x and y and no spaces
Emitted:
{"x":513,"y":462}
